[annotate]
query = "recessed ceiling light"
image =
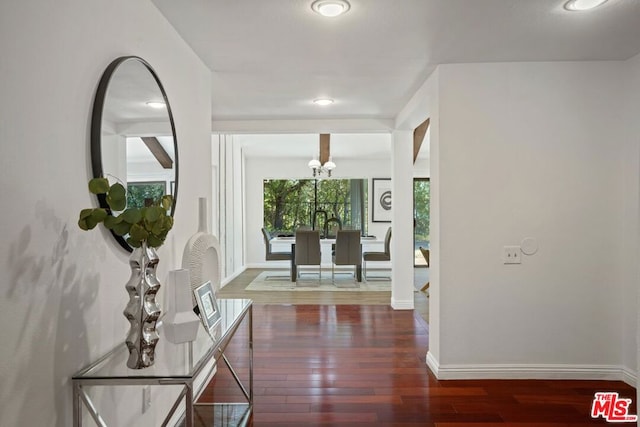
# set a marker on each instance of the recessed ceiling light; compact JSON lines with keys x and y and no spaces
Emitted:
{"x":156,"y":104}
{"x":323,"y":101}
{"x":330,"y":8}
{"x":580,"y":5}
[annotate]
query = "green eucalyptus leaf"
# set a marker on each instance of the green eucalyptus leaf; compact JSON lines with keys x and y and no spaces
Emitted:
{"x":131,"y":215}
{"x":157,"y":228}
{"x":91,"y":222}
{"x":99,"y":185}
{"x":116,"y":204}
{"x":166,"y":201}
{"x":98,"y":214}
{"x":85,"y":213}
{"x":117,"y":190}
{"x":110,"y":222}
{"x":154,"y":241}
{"x":153,"y":213}
{"x":134,"y":243}
{"x":137,"y":232}
{"x":117,"y":197}
{"x":121,"y":229}
{"x":82,"y":223}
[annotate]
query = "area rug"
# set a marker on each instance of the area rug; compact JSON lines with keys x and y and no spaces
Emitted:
{"x":344,"y":283}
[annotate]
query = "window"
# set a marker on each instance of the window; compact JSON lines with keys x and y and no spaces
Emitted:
{"x":293,"y":203}
{"x":421,"y":214}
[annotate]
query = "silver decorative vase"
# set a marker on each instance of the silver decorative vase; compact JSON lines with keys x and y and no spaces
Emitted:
{"x":142,"y":311}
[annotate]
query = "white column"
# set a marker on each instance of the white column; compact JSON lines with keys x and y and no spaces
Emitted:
{"x":402,"y":220}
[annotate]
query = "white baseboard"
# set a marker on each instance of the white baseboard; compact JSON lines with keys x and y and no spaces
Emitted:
{"x":273,"y":265}
{"x":402,"y":304}
{"x":630,"y":377}
{"x":285,"y":265}
{"x":226,"y":280}
{"x":432,"y":364}
{"x":530,"y":371}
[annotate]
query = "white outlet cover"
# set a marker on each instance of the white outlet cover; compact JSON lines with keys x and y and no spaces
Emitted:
{"x":511,"y":255}
{"x":529,"y":246}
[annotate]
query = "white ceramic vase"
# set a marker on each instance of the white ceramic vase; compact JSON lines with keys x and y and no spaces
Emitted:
{"x":180,"y":324}
{"x":201,"y":254}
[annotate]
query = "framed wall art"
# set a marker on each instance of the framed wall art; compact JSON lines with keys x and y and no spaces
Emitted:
{"x":381,"y":200}
{"x":139,"y":193}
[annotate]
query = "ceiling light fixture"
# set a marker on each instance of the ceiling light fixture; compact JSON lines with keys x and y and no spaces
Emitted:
{"x":156,"y":104}
{"x":580,"y":5}
{"x":319,"y":169}
{"x":330,"y":8}
{"x":325,"y":155}
{"x":323,"y":101}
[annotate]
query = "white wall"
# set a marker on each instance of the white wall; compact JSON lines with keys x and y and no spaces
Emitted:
{"x":63,"y":289}
{"x":631,"y":215}
{"x":532,"y":150}
{"x":632,"y":312}
{"x":402,"y":253}
{"x":425,"y":104}
{"x":227,"y":214}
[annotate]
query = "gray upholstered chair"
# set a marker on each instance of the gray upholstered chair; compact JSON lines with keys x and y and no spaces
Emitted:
{"x":307,"y":252}
{"x":347,"y":251}
{"x":274,"y":256}
{"x":378,"y":256}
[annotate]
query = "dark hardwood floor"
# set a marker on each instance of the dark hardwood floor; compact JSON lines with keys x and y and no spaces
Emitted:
{"x":349,"y":365}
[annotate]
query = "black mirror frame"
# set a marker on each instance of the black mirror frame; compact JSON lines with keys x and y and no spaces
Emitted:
{"x":96,"y":132}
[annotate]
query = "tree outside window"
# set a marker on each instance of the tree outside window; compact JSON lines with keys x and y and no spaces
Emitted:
{"x":291,"y":203}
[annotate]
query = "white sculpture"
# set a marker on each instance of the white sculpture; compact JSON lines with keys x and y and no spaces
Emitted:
{"x":202,"y":253}
{"x":180,"y":323}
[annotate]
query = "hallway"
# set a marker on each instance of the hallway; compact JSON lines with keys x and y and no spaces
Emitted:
{"x":346,"y":365}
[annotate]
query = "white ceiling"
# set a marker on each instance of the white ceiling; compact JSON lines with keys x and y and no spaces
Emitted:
{"x":270,"y":58}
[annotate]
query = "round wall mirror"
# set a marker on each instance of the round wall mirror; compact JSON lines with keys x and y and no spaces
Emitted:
{"x":133,"y":137}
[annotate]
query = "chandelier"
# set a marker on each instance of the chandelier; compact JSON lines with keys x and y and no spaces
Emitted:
{"x":325,"y":164}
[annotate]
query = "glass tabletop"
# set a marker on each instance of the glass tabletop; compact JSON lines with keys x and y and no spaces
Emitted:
{"x":172,"y":360}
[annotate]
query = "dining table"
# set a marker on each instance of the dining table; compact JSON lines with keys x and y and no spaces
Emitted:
{"x":326,"y":244}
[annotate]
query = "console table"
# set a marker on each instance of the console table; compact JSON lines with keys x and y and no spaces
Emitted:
{"x":175,"y":364}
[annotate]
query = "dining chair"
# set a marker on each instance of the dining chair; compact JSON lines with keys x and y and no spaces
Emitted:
{"x":378,"y":256}
{"x":347,"y":251}
{"x":273,"y":256}
{"x":307,"y":252}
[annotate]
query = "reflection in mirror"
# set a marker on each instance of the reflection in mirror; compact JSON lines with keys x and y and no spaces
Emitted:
{"x":133,"y":135}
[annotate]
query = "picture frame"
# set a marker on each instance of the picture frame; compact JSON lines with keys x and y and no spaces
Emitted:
{"x":381,"y":200}
{"x":207,"y":306}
